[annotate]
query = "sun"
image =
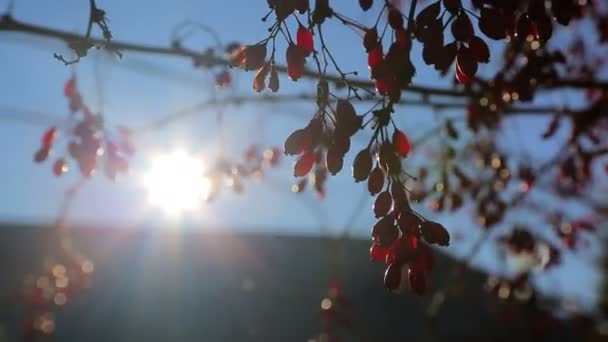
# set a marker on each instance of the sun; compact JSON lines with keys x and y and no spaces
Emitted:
{"x":175,"y":182}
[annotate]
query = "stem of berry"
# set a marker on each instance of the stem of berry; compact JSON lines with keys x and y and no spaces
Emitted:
{"x":410,"y":19}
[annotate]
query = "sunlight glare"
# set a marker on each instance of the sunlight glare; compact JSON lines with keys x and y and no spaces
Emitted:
{"x":175,"y":183}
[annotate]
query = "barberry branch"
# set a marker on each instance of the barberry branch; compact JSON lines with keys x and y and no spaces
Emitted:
{"x":8,"y":23}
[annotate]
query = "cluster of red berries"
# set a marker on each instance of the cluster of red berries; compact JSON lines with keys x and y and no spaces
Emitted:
{"x":87,"y":141}
{"x":501,"y":19}
{"x":253,"y":57}
{"x":321,"y":146}
{"x":467,"y":49}
{"x":394,"y":70}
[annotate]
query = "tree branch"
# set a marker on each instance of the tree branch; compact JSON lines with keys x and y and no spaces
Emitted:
{"x":8,"y":23}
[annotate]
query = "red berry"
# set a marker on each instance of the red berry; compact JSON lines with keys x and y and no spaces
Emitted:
{"x":409,"y":223}
{"x":60,"y":167}
{"x":374,"y":57}
{"x":223,"y":79}
{"x":305,"y":40}
{"x":375,"y":183}
{"x":370,"y":39}
{"x":383,"y":85}
{"x":87,"y":165}
{"x":417,"y":281}
{"x":275,"y":156}
{"x":479,"y":49}
{"x":462,"y":29}
{"x":69,"y":89}
{"x":296,"y":142}
{"x":383,"y":204}
{"x":395,"y":19}
{"x":42,"y":154}
{"x":392,"y":276}
{"x":452,"y":6}
{"x":524,"y":27}
{"x":401,"y":143}
{"x":366,"y":4}
{"x":362,"y":166}
{"x":493,"y":23}
{"x":302,"y":6}
{"x":334,"y":160}
{"x":304,"y":164}
{"x":403,"y":38}
{"x":428,"y":14}
{"x":378,"y":253}
{"x":295,"y":62}
{"x":466,"y":66}
{"x":49,"y":137}
{"x":434,"y":232}
{"x":461,"y":77}
{"x":385,"y":232}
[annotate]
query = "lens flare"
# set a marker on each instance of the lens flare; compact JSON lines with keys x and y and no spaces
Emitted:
{"x":176,"y":183}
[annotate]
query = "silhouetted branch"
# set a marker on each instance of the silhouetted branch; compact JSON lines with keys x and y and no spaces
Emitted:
{"x":261,"y":99}
{"x":8,"y":23}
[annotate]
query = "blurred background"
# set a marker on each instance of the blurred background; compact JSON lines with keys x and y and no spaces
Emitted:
{"x":264,"y":264}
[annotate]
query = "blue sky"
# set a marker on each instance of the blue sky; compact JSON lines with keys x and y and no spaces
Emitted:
{"x":141,"y":88}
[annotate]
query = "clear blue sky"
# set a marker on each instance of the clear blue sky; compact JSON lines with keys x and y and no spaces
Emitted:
{"x":140,"y":88}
